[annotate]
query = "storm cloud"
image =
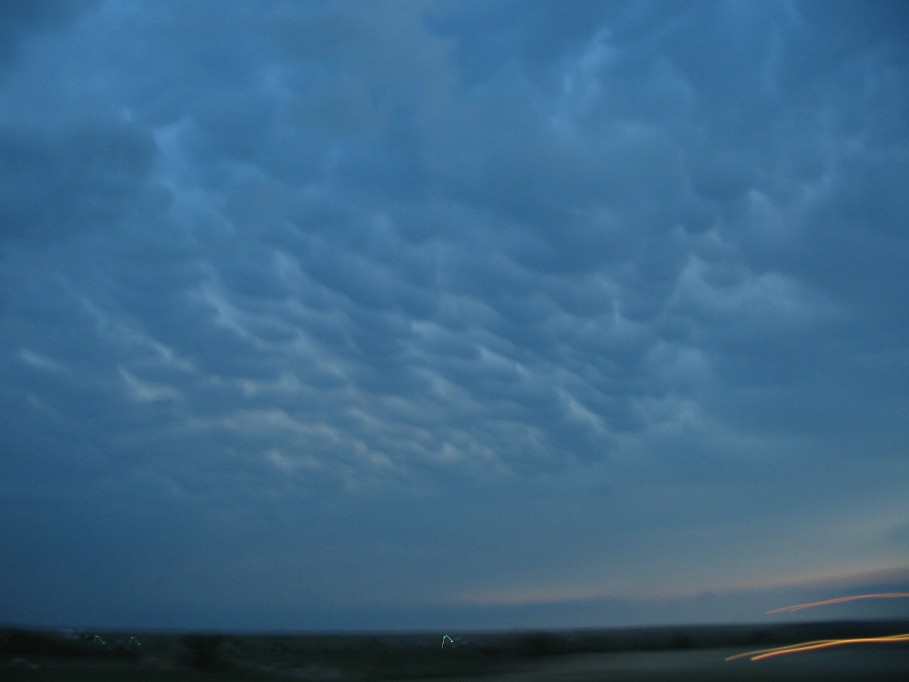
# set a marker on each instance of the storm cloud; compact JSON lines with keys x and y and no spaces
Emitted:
{"x":344,"y":315}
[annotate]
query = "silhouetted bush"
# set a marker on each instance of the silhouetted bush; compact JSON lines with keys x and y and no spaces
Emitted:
{"x":681,"y":640}
{"x":204,"y":650}
{"x":759,"y":637}
{"x":20,"y":643}
{"x":543,"y":644}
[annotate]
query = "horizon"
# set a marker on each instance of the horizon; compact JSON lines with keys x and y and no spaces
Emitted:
{"x":849,"y":606}
{"x":453,"y":314}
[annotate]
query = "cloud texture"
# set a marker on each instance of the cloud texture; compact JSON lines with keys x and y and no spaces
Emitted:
{"x":336,"y":314}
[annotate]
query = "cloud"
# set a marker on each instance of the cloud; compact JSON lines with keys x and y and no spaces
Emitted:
{"x":22,"y":19}
{"x":60,"y":183}
{"x":559,"y":288}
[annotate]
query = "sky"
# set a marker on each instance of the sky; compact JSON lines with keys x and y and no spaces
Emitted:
{"x":482,"y":314}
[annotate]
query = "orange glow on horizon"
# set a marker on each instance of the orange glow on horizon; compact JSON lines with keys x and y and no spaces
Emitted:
{"x":839,"y":600}
{"x":761,"y":654}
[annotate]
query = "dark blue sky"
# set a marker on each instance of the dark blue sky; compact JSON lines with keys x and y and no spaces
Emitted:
{"x":358,"y":315}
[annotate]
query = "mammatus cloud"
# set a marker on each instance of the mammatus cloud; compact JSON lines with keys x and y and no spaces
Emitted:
{"x":406,"y":305}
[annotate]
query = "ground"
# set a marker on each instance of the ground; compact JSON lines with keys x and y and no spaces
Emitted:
{"x":637,"y":655}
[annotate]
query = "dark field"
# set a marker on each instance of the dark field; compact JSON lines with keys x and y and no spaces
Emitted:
{"x":678,"y":653}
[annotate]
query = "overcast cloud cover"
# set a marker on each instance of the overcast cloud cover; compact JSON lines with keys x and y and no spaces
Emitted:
{"x":357,"y":315}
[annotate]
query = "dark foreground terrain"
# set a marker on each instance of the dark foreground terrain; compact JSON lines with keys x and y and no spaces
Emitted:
{"x":679,"y":653}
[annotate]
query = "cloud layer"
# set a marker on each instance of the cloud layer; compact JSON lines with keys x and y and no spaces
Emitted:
{"x":338,"y":308}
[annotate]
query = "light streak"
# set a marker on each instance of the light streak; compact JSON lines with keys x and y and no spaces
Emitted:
{"x":98,"y":639}
{"x":444,"y":637}
{"x":131,"y":640}
{"x":761,"y":654}
{"x":839,"y":600}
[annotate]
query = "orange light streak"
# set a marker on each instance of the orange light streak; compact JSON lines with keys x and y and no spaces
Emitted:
{"x":761,"y":654}
{"x":839,"y":600}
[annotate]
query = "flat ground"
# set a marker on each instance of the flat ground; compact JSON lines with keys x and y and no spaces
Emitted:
{"x":638,"y":655}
